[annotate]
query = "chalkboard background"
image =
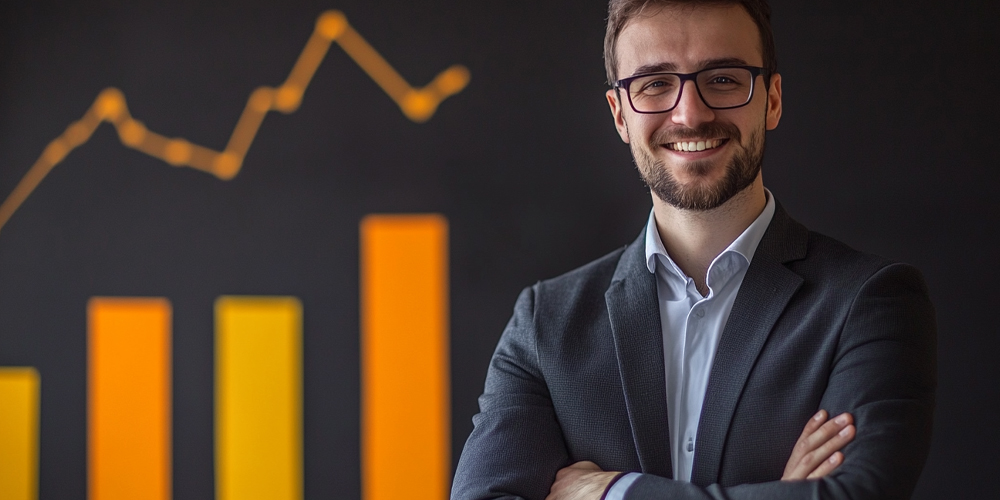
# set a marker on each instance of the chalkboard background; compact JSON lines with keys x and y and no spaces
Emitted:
{"x":885,"y":143}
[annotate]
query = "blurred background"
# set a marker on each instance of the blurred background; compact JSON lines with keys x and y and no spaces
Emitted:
{"x":885,"y":144}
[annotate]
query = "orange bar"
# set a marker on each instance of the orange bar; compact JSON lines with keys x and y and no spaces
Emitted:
{"x":405,"y":394}
{"x":129,"y":399}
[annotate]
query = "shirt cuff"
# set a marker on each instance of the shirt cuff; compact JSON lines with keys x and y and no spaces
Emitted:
{"x":617,"y":491}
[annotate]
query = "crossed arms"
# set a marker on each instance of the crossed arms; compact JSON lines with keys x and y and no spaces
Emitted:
{"x":816,"y":454}
{"x":553,"y":399}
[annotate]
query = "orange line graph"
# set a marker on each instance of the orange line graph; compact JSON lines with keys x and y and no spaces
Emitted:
{"x":418,"y":104}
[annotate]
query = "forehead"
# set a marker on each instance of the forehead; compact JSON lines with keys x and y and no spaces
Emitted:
{"x":686,"y":36}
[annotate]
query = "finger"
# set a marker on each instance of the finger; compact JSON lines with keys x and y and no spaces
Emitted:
{"x":808,"y":441}
{"x":586,"y":465}
{"x":811,"y":461}
{"x":810,"y":452}
{"x":826,"y":432}
{"x":813,"y":424}
{"x":835,"y":443}
{"x":801,"y":446}
{"x":827,"y":466}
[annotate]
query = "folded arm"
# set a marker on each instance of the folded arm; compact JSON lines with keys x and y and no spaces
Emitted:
{"x":815,"y":455}
{"x":883,"y":374}
{"x":516,"y":446}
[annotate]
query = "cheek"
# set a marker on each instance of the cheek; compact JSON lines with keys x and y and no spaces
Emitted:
{"x":754,"y":119}
{"x":644,"y":128}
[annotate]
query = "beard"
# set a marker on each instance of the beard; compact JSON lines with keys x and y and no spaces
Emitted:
{"x":741,"y":171}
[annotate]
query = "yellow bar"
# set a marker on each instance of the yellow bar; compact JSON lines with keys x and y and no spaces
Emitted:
{"x":405,"y":395}
{"x":129,"y":399}
{"x":19,"y":391}
{"x":258,"y":398}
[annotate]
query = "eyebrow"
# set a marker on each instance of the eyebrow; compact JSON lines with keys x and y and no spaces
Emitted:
{"x":670,"y":67}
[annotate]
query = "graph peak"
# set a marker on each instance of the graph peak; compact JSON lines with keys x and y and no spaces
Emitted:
{"x":331,"y":24}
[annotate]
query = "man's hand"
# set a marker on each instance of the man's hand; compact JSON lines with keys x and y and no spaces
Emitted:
{"x":580,"y":481}
{"x":817,"y":452}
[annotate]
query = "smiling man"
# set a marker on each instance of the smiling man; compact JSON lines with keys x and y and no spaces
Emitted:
{"x":703,"y":361}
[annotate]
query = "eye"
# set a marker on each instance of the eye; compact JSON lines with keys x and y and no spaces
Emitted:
{"x":654,"y":85}
{"x":725,"y":78}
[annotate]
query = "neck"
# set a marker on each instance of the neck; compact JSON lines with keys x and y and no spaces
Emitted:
{"x":695,"y":238}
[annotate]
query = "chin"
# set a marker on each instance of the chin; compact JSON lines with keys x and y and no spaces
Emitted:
{"x":698,"y":174}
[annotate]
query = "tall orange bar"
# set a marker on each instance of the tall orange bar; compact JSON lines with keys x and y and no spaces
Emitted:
{"x":19,"y":401}
{"x":405,"y":395}
{"x":129,"y":399}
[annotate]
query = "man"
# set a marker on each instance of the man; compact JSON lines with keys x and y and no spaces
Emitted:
{"x":685,"y":365}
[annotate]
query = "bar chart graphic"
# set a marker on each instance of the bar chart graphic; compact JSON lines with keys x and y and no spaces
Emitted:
{"x":418,"y":104}
{"x":405,"y":424}
{"x":258,"y":362}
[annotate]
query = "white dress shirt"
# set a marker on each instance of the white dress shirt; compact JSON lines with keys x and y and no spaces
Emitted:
{"x":692,"y":326}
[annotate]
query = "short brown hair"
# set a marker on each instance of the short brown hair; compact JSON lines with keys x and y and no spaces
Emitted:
{"x":620,"y":12}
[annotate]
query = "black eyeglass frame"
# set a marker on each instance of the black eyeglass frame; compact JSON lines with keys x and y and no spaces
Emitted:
{"x":755,"y":71}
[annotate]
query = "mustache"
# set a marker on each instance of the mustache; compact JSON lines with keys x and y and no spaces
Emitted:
{"x":705,"y":130}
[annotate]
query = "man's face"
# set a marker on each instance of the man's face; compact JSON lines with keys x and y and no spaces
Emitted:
{"x":685,"y":39}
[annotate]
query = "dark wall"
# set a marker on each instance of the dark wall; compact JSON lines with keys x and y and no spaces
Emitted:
{"x":885,"y":144}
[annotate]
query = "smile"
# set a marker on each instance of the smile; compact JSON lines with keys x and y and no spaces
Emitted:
{"x":695,"y":145}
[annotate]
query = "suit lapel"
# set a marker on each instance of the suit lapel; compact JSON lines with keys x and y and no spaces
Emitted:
{"x":764,"y":293}
{"x":635,"y":323}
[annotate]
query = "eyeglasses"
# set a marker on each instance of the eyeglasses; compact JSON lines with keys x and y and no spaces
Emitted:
{"x":720,"y":88}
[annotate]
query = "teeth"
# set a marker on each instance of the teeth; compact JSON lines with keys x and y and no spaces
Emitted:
{"x":695,"y":146}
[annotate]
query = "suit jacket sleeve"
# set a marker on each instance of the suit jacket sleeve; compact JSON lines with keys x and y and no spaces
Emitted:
{"x":884,"y":373}
{"x":516,"y":446}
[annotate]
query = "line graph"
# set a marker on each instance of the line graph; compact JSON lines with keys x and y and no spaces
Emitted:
{"x":417,"y":104}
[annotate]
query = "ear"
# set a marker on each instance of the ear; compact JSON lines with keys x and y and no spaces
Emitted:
{"x":773,"y":103}
{"x":616,"y":111}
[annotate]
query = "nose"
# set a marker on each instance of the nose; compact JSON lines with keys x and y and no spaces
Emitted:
{"x":691,"y":111}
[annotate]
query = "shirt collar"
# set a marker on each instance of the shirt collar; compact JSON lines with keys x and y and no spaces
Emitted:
{"x":745,"y":244}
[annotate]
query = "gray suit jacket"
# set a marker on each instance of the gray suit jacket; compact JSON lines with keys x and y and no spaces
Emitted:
{"x":579,"y":375}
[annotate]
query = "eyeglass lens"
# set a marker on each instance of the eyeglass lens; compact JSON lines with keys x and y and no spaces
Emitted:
{"x":720,"y":88}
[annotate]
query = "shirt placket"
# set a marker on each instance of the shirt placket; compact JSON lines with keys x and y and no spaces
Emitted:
{"x":693,"y":327}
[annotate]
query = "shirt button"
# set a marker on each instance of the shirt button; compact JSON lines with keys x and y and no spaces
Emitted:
{"x":690,"y":446}
{"x":700,"y":313}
